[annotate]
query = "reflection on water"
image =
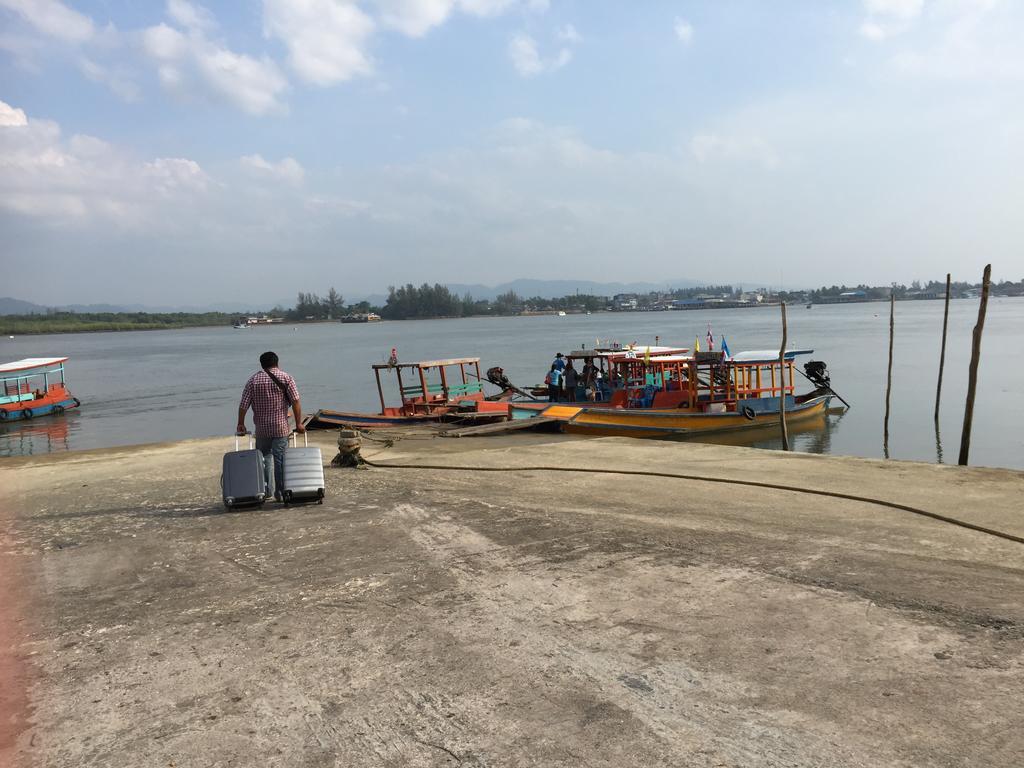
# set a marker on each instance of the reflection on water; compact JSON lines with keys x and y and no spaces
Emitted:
{"x":37,"y":436}
{"x":806,"y":436}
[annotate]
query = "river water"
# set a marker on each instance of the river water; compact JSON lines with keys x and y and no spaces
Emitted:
{"x":150,"y":386}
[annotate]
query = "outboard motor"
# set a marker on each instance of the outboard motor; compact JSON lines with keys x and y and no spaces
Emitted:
{"x":817,"y":372}
{"x":496,"y":376}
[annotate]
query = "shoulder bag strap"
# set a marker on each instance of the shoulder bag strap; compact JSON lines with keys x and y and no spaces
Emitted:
{"x":280,"y":384}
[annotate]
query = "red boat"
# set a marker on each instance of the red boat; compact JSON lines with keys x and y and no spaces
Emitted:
{"x":34,"y":387}
{"x":430,"y":391}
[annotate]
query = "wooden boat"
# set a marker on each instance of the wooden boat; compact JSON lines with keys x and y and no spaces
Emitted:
{"x":34,"y":387}
{"x":601,"y":356}
{"x":680,"y":395}
{"x":430,"y":391}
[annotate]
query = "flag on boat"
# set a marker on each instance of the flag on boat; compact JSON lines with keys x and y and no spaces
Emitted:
{"x":711,"y":339}
{"x":647,"y":356}
{"x":696,"y":343}
{"x":725,"y":348}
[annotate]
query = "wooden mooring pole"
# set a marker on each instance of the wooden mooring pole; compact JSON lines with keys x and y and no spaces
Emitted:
{"x":782,"y":383}
{"x":888,"y":378}
{"x":942,"y":354}
{"x":972,"y":377}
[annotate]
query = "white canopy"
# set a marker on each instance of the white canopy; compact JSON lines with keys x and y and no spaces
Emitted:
{"x":29,"y":363}
{"x":768,"y":355}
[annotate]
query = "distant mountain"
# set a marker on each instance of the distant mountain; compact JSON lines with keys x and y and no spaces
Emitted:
{"x":9,"y":306}
{"x":551,"y":289}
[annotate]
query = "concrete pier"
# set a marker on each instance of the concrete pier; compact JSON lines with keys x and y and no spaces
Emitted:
{"x":528,"y":617}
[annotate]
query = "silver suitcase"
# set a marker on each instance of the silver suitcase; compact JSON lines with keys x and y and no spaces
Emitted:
{"x":303,"y":473}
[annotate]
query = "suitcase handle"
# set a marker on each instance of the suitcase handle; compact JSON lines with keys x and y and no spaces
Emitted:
{"x":295,"y":440}
{"x":252,"y":443}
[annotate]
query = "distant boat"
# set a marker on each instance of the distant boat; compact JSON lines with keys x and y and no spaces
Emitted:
{"x":561,"y":313}
{"x":361,"y":317}
{"x":240,"y":326}
{"x":809,"y":305}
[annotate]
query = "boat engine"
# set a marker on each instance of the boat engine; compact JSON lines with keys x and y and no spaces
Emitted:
{"x":817,"y":372}
{"x":496,"y":376}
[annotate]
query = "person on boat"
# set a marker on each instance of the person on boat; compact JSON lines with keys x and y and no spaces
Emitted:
{"x":554,"y":382}
{"x":559,"y":362}
{"x":270,"y":392}
{"x":589,"y":375}
{"x":570,"y":378}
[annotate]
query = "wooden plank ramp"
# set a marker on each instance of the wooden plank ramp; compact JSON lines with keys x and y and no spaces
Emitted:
{"x":499,"y":428}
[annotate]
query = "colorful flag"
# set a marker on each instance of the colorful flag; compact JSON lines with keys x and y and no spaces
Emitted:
{"x":647,"y":356}
{"x":711,"y":339}
{"x":725,"y":348}
{"x":696,"y":344}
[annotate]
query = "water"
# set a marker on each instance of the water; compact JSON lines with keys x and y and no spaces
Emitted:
{"x":168,"y":385}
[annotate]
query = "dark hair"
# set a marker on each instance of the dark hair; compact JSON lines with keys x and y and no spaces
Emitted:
{"x":268,"y":360}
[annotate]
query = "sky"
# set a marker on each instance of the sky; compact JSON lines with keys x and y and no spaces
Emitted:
{"x":178,"y":153}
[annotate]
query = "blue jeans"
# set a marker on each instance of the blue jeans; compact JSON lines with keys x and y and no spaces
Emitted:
{"x":276,"y":446}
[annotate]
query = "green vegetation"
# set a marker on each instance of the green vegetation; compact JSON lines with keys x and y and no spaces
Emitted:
{"x":77,"y":322}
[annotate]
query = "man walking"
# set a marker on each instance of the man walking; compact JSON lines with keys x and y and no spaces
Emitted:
{"x":270,"y":392}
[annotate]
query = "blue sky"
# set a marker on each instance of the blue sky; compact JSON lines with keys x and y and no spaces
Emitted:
{"x":184,"y":153}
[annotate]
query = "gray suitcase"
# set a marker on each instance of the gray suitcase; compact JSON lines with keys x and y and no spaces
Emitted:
{"x":243,"y":480}
{"x":303,"y":473}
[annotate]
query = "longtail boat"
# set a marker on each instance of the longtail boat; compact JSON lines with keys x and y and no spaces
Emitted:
{"x":430,"y":391}
{"x":679,"y":395}
{"x":33,"y":387}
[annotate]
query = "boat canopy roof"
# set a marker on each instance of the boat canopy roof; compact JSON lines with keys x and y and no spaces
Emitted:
{"x":638,"y":351}
{"x":30,"y":363}
{"x":430,"y":363}
{"x":767,"y":355}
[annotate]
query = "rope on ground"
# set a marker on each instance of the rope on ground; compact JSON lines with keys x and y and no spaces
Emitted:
{"x":723,"y":480}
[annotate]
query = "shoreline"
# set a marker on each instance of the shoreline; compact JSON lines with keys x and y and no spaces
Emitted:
{"x":540,"y":313}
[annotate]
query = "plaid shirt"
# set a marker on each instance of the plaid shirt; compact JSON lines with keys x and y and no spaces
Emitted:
{"x":268,"y":403}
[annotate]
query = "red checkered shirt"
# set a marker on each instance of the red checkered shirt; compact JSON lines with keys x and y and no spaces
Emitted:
{"x":269,"y":405}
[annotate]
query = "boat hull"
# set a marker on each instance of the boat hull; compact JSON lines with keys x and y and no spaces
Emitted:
{"x":336,"y":419}
{"x":649,"y":422}
{"x":29,"y":410}
{"x":487,"y":412}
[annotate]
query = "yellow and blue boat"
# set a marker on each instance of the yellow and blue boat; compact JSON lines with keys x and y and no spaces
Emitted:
{"x":692,"y":394}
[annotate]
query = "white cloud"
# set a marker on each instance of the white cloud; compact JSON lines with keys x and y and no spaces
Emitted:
{"x":287,"y":169}
{"x":11,"y":117}
{"x":85,"y":180}
{"x":191,"y":16}
{"x":326,"y":39}
{"x":415,"y":18}
{"x":185,"y":60}
{"x":53,"y":18}
{"x":485,"y":7}
{"x":683,"y":30}
{"x":886,"y":18}
{"x":526,"y":58}
{"x":115,"y":79}
{"x":958,"y":40}
{"x":569,"y":34}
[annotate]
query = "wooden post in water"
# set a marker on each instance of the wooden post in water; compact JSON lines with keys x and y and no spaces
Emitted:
{"x":942,"y":355}
{"x":888,"y":378}
{"x":782,"y":383}
{"x":972,"y":378}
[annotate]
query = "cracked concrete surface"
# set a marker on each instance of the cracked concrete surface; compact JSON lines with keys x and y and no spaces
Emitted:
{"x":425,"y":618}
